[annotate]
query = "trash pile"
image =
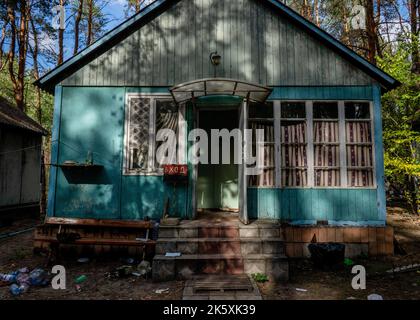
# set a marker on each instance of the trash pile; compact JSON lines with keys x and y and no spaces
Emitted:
{"x":143,"y":269}
{"x":21,"y":280}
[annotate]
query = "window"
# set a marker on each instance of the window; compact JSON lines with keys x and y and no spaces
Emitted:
{"x":359,"y":145}
{"x":261,"y":116}
{"x":294,"y":143}
{"x":145,"y":116}
{"x":326,"y":144}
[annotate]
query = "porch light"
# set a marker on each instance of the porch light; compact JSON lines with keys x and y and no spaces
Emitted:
{"x":215,"y":58}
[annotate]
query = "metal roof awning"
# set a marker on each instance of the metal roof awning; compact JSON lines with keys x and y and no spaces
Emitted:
{"x":219,"y":86}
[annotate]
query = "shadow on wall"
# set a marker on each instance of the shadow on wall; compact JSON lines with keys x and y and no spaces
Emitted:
{"x":87,"y":175}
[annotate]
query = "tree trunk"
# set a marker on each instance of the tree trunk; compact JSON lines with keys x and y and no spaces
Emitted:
{"x":371,"y":31}
{"x":414,"y":16}
{"x":90,"y":22}
{"x":316,"y":10}
{"x":60,"y":58}
{"x":77,"y":27}
{"x":35,"y":50}
{"x":18,"y":80}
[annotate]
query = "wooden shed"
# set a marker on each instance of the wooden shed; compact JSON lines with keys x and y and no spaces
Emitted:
{"x":218,"y":64}
{"x":20,"y":161}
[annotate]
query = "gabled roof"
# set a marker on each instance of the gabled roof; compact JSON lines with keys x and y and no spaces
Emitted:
{"x":52,"y":78}
{"x":14,"y":117}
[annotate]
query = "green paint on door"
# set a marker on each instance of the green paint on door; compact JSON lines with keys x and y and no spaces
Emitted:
{"x":217,"y":185}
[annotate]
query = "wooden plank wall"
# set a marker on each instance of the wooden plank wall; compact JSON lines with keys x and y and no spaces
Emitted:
{"x":20,"y":164}
{"x":311,"y":205}
{"x":256,"y":44}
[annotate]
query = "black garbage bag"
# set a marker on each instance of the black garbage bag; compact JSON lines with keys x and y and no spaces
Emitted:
{"x":327,"y":255}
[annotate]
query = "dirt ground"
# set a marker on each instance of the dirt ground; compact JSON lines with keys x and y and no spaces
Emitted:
{"x":16,"y":252}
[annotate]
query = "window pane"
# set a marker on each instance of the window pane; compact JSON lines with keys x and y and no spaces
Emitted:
{"x":293,"y":132}
{"x":357,"y":110}
{"x":359,"y":156}
{"x":294,"y":159}
{"x":327,"y":178}
{"x":358,"y":132}
{"x":293,"y":110}
{"x":326,"y":132}
{"x":139,"y":133}
{"x":263,"y":180}
{"x":294,"y":177}
{"x":166,"y":118}
{"x":360,"y":178}
{"x":257,"y":110}
{"x":325,"y":110}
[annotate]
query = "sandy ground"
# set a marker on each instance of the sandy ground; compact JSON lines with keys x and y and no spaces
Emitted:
{"x":16,"y":252}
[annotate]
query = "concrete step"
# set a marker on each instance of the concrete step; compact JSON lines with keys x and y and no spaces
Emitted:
{"x":184,"y":267}
{"x":221,"y":231}
{"x":244,"y":246}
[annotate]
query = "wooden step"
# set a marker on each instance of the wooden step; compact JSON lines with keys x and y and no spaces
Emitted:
{"x":223,"y":284}
{"x":220,"y":246}
{"x":220,"y":231}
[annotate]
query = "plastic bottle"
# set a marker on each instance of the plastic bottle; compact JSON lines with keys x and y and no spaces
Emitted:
{"x":15,"y":290}
{"x":9,"y":278}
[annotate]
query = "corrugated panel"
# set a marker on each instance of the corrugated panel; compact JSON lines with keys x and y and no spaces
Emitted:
{"x":256,"y":45}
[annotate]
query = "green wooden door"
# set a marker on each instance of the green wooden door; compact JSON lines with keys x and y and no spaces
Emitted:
{"x":217,"y":184}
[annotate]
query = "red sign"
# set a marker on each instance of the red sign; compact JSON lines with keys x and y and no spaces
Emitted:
{"x":175,"y":170}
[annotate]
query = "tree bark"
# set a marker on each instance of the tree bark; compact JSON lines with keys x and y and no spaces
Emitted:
{"x":60,"y":57}
{"x":414,"y":16}
{"x":90,"y":22}
{"x":77,"y":27}
{"x":18,"y":79}
{"x":371,"y":31}
{"x":34,"y":51}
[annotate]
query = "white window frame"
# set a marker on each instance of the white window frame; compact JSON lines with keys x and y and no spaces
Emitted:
{"x":310,"y":143}
{"x":267,"y":143}
{"x":152,"y":169}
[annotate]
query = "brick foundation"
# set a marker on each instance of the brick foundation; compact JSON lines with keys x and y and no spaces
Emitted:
{"x":372,"y":241}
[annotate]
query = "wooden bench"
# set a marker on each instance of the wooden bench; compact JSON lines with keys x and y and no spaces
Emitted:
{"x":54,"y":228}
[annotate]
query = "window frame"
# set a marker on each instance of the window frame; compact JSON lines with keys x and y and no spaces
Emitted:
{"x":310,"y":143}
{"x":272,"y":121}
{"x":152,"y":169}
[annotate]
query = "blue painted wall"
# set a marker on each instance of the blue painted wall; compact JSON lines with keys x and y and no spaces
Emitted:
{"x":92,"y":119}
{"x":307,"y":206}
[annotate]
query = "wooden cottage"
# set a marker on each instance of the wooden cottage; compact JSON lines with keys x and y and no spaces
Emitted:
{"x":20,"y":162}
{"x":219,"y":64}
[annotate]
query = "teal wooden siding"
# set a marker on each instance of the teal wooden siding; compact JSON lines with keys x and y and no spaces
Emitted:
{"x":323,"y":93}
{"x":308,"y":206}
{"x":256,"y":43}
{"x":92,"y":119}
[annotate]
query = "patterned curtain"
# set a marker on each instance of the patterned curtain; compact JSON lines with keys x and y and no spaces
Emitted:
{"x":294,"y":154}
{"x":359,"y":154}
{"x":326,"y":154}
{"x":267,"y":179}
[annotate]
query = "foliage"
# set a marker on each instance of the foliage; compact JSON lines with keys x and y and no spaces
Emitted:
{"x":6,"y":91}
{"x":401,"y":109}
{"x":260,"y":277}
